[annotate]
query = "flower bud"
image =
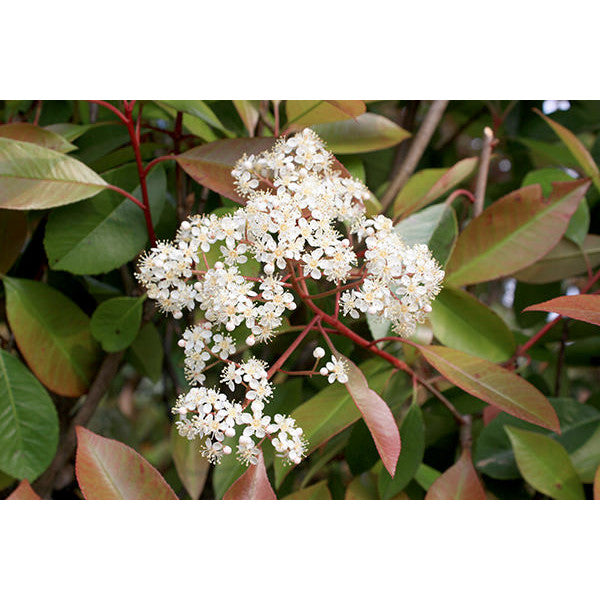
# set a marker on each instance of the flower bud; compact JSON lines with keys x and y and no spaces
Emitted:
{"x":318,"y":352}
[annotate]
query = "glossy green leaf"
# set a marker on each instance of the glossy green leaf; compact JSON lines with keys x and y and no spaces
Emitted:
{"x":365,"y":133}
{"x":331,"y":411}
{"x":459,"y":482}
{"x":192,"y":124}
{"x":24,"y":492}
{"x":545,"y":465}
{"x":461,"y":321}
{"x":584,"y":307}
{"x":35,"y":177}
{"x":146,"y":352}
{"x":318,"y":491}
{"x":412,"y":433}
{"x":586,"y":458}
{"x":252,"y":485}
{"x":426,"y":476}
{"x":377,"y":415}
{"x":53,"y":335}
{"x":200,"y":110}
{"x":576,"y":148}
{"x":28,"y":421}
{"x":492,"y":384}
{"x":109,"y":470}
{"x":426,"y":186}
{"x":13,"y":233}
{"x":566,"y":259}
{"x":191,"y":466}
{"x":26,"y":132}
{"x":435,"y":226}
{"x":363,"y":487}
{"x":303,"y":113}
{"x":211,"y":164}
{"x":116,"y":322}
{"x":513,"y":233}
{"x":494,"y":455}
{"x":70,"y":131}
{"x":107,"y":231}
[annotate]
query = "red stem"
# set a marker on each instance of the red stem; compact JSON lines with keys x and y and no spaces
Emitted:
{"x":114,"y":188}
{"x":112,"y":108}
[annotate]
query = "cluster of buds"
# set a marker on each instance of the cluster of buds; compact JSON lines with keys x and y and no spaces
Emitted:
{"x":302,"y":219}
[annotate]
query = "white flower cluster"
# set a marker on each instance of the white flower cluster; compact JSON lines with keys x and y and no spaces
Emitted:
{"x":235,"y":268}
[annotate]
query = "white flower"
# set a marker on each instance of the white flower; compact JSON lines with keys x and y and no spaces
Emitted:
{"x":337,"y":370}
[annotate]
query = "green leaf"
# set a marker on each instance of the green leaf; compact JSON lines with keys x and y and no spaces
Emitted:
{"x":200,"y":110}
{"x":107,"y":231}
{"x":116,"y":322}
{"x":412,"y":433}
{"x":26,"y":132}
{"x":426,"y":476}
{"x":13,"y":233}
{"x":584,"y":307}
{"x":494,"y":454}
{"x":435,"y":226}
{"x":318,"y":491}
{"x":576,"y":148}
{"x":70,"y":131}
{"x":303,"y":113}
{"x":191,"y":466}
{"x":566,"y":259}
{"x":545,"y":465}
{"x":461,"y":321}
{"x":513,"y":233}
{"x":492,"y":384}
{"x":459,"y":482}
{"x":109,"y":470}
{"x":28,"y":421}
{"x":331,"y":411}
{"x":426,"y":186}
{"x":53,"y":335}
{"x":586,"y":458}
{"x":191,"y":123}
{"x":365,"y":133}
{"x":34,"y":177}
{"x":146,"y":352}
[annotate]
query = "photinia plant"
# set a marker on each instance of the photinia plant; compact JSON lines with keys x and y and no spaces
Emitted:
{"x":299,"y":299}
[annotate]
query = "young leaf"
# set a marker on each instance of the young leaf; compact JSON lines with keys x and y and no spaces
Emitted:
{"x":584,"y":307}
{"x":107,"y":231}
{"x":577,"y":149}
{"x":493,"y":384}
{"x":459,"y":482}
{"x":377,"y":415}
{"x":365,"y":133}
{"x":24,"y":492}
{"x":318,"y":491}
{"x":191,"y":466}
{"x":28,"y":421}
{"x":428,"y":185}
{"x":513,"y":233}
{"x":146,"y":352}
{"x":53,"y":335}
{"x":116,"y":322}
{"x":34,"y":177}
{"x":26,"y":132}
{"x":109,"y":470}
{"x":412,"y":433}
{"x":249,"y":113}
{"x":545,"y":465}
{"x":13,"y":233}
{"x":252,"y":485}
{"x":303,"y":113}
{"x":566,"y":259}
{"x":461,"y":321}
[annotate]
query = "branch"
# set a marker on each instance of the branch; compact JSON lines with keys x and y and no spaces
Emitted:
{"x":417,"y":148}
{"x":484,"y":167}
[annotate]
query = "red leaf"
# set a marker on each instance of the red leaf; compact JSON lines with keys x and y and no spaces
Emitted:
{"x":459,"y":482}
{"x":377,"y":415}
{"x":24,"y":492}
{"x":584,"y":307}
{"x":252,"y":485}
{"x":109,"y":470}
{"x":490,"y":413}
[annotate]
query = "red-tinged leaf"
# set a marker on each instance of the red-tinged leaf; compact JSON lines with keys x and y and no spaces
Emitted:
{"x":24,"y":492}
{"x":459,"y":482}
{"x":513,"y":233}
{"x":583,"y":307}
{"x":252,"y":485}
{"x":377,"y":415}
{"x":301,"y":113}
{"x":490,"y":413}
{"x":577,"y":149}
{"x":493,"y":384}
{"x":249,"y":113}
{"x":26,"y":132}
{"x":109,"y":470}
{"x":597,"y":485}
